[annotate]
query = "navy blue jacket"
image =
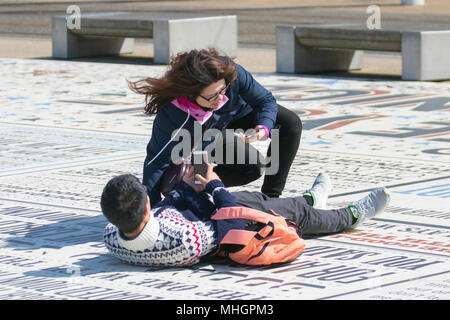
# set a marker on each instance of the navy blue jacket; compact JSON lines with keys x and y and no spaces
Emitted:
{"x":197,"y":206}
{"x":244,"y":96}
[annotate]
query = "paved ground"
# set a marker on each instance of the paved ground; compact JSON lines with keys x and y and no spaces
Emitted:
{"x":67,"y":127}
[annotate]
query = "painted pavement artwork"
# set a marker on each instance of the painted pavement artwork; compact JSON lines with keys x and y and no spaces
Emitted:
{"x":66,"y":128}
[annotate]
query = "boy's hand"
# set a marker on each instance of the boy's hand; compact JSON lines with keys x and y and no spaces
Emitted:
{"x":189,"y":179}
{"x":210,"y":176}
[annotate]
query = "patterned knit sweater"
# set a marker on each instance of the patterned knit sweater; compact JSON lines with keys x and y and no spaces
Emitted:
{"x":179,"y":231}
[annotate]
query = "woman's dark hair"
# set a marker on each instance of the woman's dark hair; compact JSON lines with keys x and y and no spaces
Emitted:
{"x":123,"y":202}
{"x":187,"y":75}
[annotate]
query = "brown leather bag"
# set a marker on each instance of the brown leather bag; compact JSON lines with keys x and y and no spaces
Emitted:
{"x":172,"y":177}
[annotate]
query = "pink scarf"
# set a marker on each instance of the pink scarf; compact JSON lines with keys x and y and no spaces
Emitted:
{"x":196,"y":112}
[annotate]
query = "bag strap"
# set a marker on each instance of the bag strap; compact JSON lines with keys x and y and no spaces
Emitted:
{"x":242,"y":237}
{"x":241,"y":213}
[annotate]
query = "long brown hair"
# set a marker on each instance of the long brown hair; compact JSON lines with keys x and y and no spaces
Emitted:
{"x":187,"y":75}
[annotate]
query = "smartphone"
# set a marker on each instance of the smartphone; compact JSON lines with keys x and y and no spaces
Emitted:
{"x":200,"y":163}
{"x":251,"y":135}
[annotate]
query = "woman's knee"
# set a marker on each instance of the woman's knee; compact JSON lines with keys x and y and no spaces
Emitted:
{"x":238,"y":175}
{"x":290,"y":123}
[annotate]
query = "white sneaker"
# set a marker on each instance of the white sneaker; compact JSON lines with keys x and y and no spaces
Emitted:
{"x":369,"y":206}
{"x":320,"y":190}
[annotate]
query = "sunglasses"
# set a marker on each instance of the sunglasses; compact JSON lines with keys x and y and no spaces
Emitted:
{"x":214,"y":97}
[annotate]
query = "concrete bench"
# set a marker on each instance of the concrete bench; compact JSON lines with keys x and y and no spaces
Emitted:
{"x":114,"y":33}
{"x":319,"y":48}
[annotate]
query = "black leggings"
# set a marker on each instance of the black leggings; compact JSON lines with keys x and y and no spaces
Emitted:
{"x":290,"y":131}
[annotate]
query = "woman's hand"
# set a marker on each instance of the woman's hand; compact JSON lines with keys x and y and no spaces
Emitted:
{"x":260,"y":134}
{"x":210,"y":176}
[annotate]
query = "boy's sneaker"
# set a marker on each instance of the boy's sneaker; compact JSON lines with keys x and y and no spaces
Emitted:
{"x":320,"y":190}
{"x":369,"y":206}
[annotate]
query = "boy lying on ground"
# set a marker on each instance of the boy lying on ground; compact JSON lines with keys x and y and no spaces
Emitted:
{"x":178,"y":230}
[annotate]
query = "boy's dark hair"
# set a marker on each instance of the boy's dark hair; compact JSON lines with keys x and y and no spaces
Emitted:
{"x":123,"y":202}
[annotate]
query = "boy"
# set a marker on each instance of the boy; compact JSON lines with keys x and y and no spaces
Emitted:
{"x":178,"y":230}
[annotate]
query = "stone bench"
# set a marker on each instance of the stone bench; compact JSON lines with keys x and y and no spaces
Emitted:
{"x":320,"y":48}
{"x":114,"y":33}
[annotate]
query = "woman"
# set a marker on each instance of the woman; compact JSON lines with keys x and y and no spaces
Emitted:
{"x":201,"y":86}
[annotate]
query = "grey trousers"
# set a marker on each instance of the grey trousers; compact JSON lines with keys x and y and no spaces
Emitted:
{"x":311,"y":221}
